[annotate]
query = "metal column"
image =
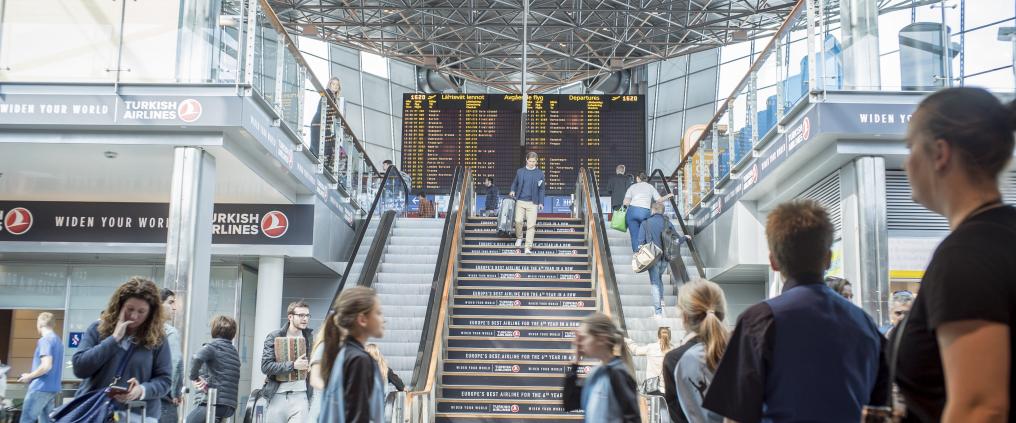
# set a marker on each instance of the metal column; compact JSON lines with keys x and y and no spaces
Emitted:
{"x":268,"y":308}
{"x":189,"y":243}
{"x":860,"y":45}
{"x":866,"y":234}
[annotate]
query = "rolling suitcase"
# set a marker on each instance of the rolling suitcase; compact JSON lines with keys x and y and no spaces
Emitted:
{"x":506,"y":218}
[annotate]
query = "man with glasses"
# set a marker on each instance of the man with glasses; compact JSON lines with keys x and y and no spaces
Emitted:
{"x":899,"y":306}
{"x":287,"y":387}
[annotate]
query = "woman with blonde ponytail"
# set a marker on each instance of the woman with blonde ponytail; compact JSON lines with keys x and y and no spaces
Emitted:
{"x":355,"y":388}
{"x":703,"y":308}
{"x":608,"y":394}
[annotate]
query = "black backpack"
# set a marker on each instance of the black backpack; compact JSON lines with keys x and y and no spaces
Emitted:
{"x":671,"y":241}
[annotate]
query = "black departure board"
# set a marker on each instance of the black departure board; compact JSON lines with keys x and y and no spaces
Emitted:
{"x":481,"y":132}
{"x":442,"y":131}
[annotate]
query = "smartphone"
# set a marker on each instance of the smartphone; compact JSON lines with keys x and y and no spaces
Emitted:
{"x":117,"y":390}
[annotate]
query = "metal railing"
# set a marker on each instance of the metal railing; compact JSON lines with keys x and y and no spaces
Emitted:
{"x":587,"y":205}
{"x":421,"y":400}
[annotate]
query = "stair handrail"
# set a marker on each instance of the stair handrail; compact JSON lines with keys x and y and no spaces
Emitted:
{"x":600,"y":249}
{"x":276,"y":23}
{"x":680,"y":221}
{"x":361,"y":231}
{"x":421,"y":399}
{"x":439,"y":276}
{"x":377,"y":249}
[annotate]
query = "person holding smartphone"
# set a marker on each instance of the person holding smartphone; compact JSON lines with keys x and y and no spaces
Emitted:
{"x":130,"y":328}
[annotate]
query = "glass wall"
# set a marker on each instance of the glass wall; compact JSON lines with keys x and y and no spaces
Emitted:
{"x":681,"y":92}
{"x":83,"y":291}
{"x":371,"y":96}
{"x":117,"y":40}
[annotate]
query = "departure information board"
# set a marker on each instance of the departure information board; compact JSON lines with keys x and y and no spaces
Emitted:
{"x":481,"y":132}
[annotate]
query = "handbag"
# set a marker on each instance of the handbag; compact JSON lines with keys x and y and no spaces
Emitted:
{"x":96,"y":405}
{"x":617,"y":221}
{"x":651,"y":386}
{"x":645,"y":257}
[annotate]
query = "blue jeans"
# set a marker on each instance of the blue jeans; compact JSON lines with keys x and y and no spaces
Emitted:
{"x":656,"y":278}
{"x":37,"y":407}
{"x":634,"y":219}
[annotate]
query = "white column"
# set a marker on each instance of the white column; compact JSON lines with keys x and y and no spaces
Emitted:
{"x":866,"y":234}
{"x":266,"y":315}
{"x":189,"y":244}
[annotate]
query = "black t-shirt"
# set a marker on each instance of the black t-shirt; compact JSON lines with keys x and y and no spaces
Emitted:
{"x":972,"y":276}
{"x":670,"y":385}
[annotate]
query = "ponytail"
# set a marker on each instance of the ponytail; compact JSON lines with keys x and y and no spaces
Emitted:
{"x":349,"y":305}
{"x":715,"y":337}
{"x":703,"y":307}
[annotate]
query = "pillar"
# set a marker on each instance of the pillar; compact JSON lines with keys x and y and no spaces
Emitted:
{"x":866,"y":234}
{"x":859,"y":30}
{"x":189,"y":243}
{"x":266,"y":314}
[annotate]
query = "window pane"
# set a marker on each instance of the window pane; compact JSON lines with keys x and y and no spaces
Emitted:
{"x":374,"y":64}
{"x":32,"y":286}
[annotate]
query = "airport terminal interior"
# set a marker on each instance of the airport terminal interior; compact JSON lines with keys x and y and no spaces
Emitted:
{"x":251,"y":154}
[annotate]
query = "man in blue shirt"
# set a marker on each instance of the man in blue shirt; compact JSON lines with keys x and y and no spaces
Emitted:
{"x":527,"y":189}
{"x":807,"y":355}
{"x":46,"y":372}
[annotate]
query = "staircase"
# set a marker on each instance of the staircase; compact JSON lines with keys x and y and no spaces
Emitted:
{"x":637,"y":299}
{"x":403,"y":284}
{"x":511,"y":322}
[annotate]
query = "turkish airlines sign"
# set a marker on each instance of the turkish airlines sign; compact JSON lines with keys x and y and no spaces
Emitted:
{"x":52,"y":221}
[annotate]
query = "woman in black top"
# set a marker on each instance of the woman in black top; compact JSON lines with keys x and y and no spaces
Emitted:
{"x":956,"y":348}
{"x":355,"y":390}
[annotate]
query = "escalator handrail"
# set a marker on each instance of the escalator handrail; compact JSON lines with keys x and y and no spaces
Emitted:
{"x":680,"y":221}
{"x":426,"y":347}
{"x":595,"y":212}
{"x":362,"y":230}
{"x":377,"y":249}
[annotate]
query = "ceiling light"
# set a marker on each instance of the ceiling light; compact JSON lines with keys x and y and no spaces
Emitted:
{"x":110,"y":154}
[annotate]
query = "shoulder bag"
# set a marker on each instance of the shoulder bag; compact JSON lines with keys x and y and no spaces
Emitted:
{"x":96,"y":405}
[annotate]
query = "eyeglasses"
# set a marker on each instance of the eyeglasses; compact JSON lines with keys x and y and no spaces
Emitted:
{"x":302,"y":315}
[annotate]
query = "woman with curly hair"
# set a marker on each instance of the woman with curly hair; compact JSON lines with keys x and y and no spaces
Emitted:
{"x":130,"y":328}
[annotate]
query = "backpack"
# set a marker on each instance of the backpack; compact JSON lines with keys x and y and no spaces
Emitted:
{"x":671,"y":241}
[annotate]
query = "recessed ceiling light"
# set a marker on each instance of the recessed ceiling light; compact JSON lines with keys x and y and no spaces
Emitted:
{"x":110,"y":154}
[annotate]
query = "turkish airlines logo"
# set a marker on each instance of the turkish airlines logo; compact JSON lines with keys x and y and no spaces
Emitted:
{"x":274,"y":224}
{"x":189,"y":110}
{"x":18,"y":221}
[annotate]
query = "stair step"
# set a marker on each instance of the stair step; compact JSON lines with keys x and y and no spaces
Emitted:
{"x":536,"y":269}
{"x":538,"y":251}
{"x":460,"y":311}
{"x":562,"y":243}
{"x":470,"y":282}
{"x":494,"y":418}
{"x":401,"y":268}
{"x":487,"y":219}
{"x":512,"y":408}
{"x":518,"y":322}
{"x":526,"y":262}
{"x":505,"y":368}
{"x":540,"y":224}
{"x":509,"y":354}
{"x":509,"y":379}
{"x":520,"y":292}
{"x":510,"y":302}
{"x":499,"y":343}
{"x":538,"y":256}
{"x":540,"y":235}
{"x":494,"y":332}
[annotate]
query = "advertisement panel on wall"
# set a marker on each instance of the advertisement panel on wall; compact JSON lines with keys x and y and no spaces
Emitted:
{"x":55,"y":221}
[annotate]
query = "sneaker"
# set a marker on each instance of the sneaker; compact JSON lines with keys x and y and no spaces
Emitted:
{"x":518,"y":242}
{"x":528,"y":251}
